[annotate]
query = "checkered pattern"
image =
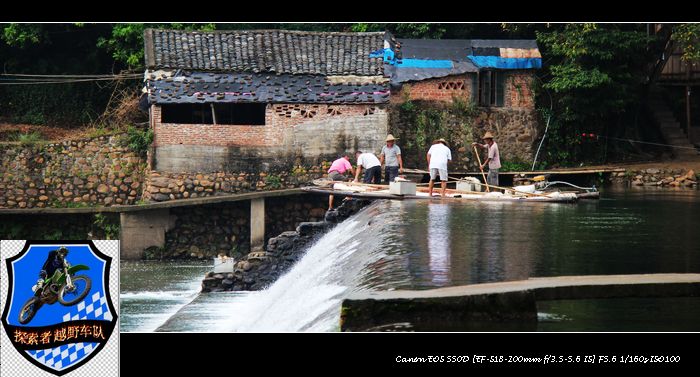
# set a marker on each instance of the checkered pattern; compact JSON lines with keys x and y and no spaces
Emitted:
{"x":104,"y":364}
{"x":63,"y":356}
{"x":93,"y":307}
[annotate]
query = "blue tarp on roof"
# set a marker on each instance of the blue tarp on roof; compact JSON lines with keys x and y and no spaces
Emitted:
{"x":505,"y":63}
{"x":420,"y":63}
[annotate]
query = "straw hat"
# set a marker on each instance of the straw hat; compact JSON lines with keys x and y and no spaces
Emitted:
{"x":390,"y":137}
{"x":488,"y":135}
{"x":443,"y":141}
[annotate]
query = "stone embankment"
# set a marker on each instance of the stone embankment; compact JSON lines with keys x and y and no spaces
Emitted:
{"x":659,"y":177}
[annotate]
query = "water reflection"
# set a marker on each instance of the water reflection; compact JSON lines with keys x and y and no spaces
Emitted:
{"x":434,"y":244}
{"x":439,"y":243}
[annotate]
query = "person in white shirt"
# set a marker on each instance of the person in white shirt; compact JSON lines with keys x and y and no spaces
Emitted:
{"x":493,"y":160}
{"x":372,"y":166}
{"x":438,"y":156}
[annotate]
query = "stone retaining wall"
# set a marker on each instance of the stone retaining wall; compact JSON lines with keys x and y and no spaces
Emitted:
{"x":667,"y":177}
{"x":100,"y":171}
{"x":163,"y":186}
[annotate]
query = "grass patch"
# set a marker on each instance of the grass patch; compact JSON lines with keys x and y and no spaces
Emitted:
{"x":30,"y":138}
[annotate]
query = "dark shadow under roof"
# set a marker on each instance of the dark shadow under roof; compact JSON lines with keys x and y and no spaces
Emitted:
{"x":209,"y":87}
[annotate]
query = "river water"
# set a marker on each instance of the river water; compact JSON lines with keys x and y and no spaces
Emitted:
{"x":422,"y":245}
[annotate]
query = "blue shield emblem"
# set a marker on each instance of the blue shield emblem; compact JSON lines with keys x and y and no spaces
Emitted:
{"x":59,"y":321}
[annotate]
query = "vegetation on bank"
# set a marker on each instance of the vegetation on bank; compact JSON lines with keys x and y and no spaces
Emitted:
{"x":593,"y":80}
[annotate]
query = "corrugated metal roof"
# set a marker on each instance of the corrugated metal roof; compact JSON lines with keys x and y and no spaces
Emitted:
{"x":257,"y":51}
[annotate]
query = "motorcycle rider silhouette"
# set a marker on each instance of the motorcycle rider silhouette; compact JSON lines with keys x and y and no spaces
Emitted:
{"x":54,"y":261}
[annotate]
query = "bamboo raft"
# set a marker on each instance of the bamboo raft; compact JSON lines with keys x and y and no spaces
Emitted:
{"x":371,"y":191}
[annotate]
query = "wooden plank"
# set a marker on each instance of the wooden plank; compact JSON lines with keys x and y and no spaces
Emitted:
{"x":536,"y":172}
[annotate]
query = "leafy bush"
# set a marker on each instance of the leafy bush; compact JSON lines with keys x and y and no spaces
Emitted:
{"x":515,"y":165}
{"x":273,"y":181}
{"x":109,"y":227}
{"x":139,"y":140}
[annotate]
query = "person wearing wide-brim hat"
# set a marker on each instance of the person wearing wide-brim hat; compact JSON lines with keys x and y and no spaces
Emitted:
{"x":391,"y":154}
{"x":438,"y":156}
{"x":493,"y":161}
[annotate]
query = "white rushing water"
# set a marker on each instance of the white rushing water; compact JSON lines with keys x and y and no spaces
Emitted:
{"x":308,"y":296}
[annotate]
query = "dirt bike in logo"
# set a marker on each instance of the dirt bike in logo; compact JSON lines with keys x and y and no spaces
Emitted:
{"x":63,"y":286}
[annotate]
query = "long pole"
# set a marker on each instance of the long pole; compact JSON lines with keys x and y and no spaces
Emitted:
{"x":687,"y":100}
{"x":478,"y":159}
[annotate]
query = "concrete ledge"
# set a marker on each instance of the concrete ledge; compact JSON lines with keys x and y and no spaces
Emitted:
{"x":456,"y":308}
{"x":159,"y":205}
{"x":446,"y":313}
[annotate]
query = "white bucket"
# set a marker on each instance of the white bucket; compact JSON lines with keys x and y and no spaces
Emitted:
{"x":223,"y":265}
{"x":525,"y":188}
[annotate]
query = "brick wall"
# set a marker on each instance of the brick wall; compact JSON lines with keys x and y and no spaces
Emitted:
{"x":439,"y":89}
{"x":293,"y":134}
{"x":517,"y":92}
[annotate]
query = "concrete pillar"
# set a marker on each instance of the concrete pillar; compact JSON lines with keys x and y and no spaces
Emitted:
{"x":257,"y":224}
{"x":143,"y":229}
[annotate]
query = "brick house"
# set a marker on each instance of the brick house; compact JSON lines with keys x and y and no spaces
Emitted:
{"x":497,"y":75}
{"x":262,"y":99}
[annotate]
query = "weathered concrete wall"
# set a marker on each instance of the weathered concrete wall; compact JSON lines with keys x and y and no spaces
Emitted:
{"x":143,"y":229}
{"x":96,"y":171}
{"x":293,"y":134}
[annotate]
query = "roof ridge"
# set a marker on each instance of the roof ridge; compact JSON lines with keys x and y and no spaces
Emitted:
{"x":347,"y":33}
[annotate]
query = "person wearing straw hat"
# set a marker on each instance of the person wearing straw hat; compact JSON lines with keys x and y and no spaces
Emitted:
{"x":493,"y":160}
{"x":391,"y":154}
{"x":438,"y":156}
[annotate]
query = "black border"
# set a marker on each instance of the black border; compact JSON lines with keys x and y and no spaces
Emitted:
{"x":10,"y":281}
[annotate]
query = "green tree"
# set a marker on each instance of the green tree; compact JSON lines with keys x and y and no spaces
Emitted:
{"x":594,"y":78}
{"x":687,"y":36}
{"x":125,"y":42}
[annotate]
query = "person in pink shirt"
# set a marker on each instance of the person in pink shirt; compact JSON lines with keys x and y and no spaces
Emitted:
{"x":337,"y":173}
{"x":339,"y":167}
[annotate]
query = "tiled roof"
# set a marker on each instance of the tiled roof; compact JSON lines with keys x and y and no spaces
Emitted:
{"x":257,"y":51}
{"x":206,"y":87}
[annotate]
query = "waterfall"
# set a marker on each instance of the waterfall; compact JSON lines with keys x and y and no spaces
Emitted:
{"x":308,"y":296}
